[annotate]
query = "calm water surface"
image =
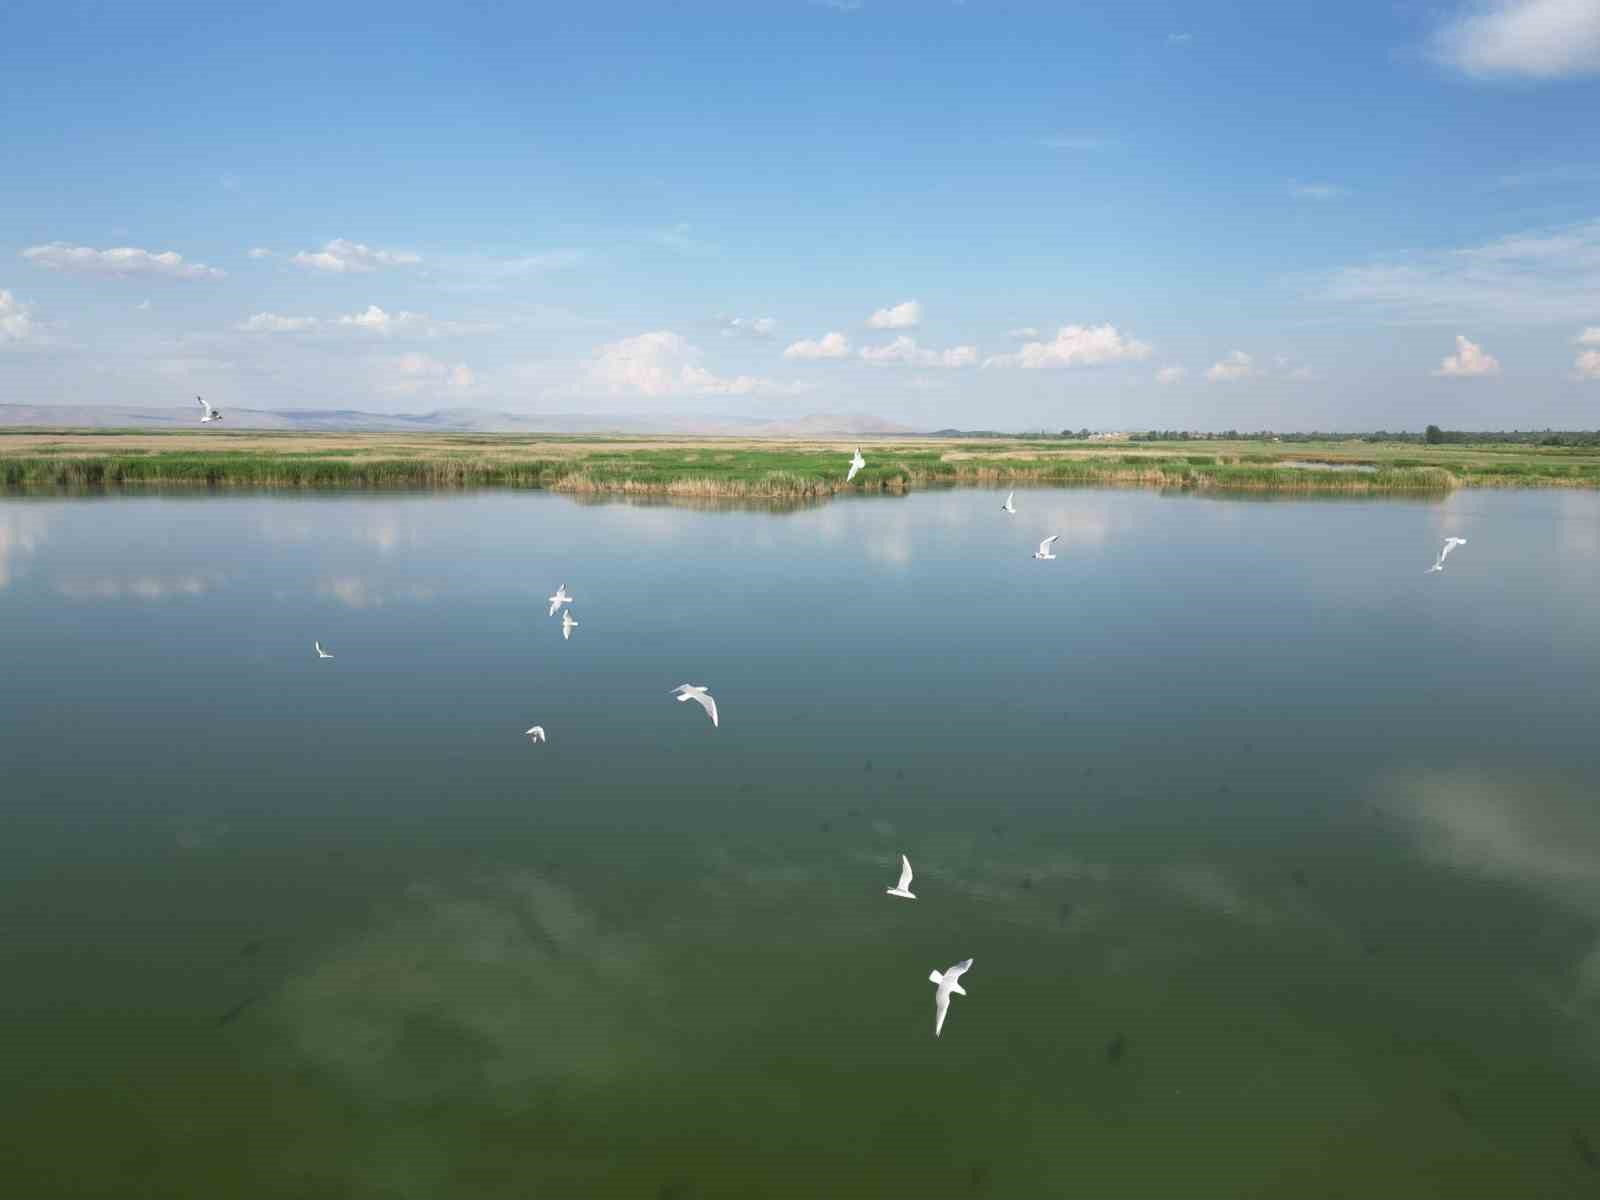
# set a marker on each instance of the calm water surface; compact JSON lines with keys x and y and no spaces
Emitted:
{"x":1279,"y":858}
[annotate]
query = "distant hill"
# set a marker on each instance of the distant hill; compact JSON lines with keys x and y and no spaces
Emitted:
{"x":448,"y":420}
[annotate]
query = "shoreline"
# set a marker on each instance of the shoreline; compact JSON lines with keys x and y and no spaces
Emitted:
{"x":763,"y":470}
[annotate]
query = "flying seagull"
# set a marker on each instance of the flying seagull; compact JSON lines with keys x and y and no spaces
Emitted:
{"x":697,"y":692}
{"x":536,"y":733}
{"x":856,"y":464}
{"x":948,"y":981}
{"x":1044,"y":547}
{"x":567,"y":625}
{"x":321,"y":653}
{"x":559,"y":599}
{"x":903,"y":888}
{"x":211,"y":414}
{"x":1007,"y":506}
{"x":1449,"y":545}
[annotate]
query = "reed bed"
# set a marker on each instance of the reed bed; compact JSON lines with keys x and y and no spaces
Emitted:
{"x":779,"y":471}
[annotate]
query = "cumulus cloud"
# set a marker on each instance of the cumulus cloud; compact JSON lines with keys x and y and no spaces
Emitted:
{"x":1536,"y":276}
{"x":1316,"y":191}
{"x":1026,"y":333}
{"x":1236,"y":366}
{"x":123,"y":260}
{"x":753,"y":327}
{"x":904,"y":350}
{"x":370,"y":320}
{"x":17,"y":326}
{"x":901,"y":316}
{"x":663,"y":363}
{"x":1537,"y":39}
{"x":829,"y":345}
{"x":1170,"y":375}
{"x":1075,"y":346}
{"x":1590,"y":336}
{"x":261,"y":252}
{"x":1587,"y":364}
{"x":266,"y":322}
{"x":376,"y":320}
{"x":1469,"y":360}
{"x":341,"y":257}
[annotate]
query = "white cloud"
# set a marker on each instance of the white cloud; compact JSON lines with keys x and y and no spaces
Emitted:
{"x":415,"y":374}
{"x":1170,"y":375}
{"x":261,"y":252}
{"x":376,"y":320}
{"x":143,"y":305}
{"x":17,"y":326}
{"x":1301,"y":374}
{"x":830,"y":345}
{"x":754,"y":327}
{"x":905,"y":350}
{"x":1587,"y":363}
{"x":663,"y":363}
{"x":265,"y":322}
{"x":123,"y":260}
{"x":1469,"y":360}
{"x":1236,"y":366}
{"x":1026,"y":333}
{"x":140,"y":587}
{"x":371,"y":320}
{"x":1540,"y":39}
{"x":1075,"y":346}
{"x":1316,"y":191}
{"x":1179,"y":39}
{"x":345,"y":257}
{"x":1537,"y":276}
{"x":901,"y":316}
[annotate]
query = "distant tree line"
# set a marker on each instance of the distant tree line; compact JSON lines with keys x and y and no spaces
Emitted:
{"x":1433,"y":436}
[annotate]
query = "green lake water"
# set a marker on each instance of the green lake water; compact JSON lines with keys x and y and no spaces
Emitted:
{"x":1278,"y":857}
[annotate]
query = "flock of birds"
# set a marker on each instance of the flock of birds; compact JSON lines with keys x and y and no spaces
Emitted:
{"x":946,"y":983}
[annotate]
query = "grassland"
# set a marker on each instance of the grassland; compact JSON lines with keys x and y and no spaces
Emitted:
{"x":777,"y":470}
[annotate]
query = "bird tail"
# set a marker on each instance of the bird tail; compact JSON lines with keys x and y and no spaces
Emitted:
{"x":1435,"y":567}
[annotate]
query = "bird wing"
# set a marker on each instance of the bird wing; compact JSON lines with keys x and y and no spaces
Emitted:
{"x":905,"y":873}
{"x":204,"y":405}
{"x":554,"y":604}
{"x":941,"y":1005}
{"x":710,"y":705}
{"x":1044,"y":546}
{"x":957,"y":971}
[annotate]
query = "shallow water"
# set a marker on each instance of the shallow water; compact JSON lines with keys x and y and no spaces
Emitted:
{"x":1276,"y":855}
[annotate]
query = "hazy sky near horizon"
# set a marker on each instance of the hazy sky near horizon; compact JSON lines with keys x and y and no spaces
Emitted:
{"x":1291,"y":215}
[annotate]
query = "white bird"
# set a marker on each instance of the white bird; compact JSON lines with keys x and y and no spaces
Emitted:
{"x":1044,"y":547}
{"x":948,"y":982}
{"x":697,"y":692}
{"x":211,"y":414}
{"x":559,"y":599}
{"x":1450,"y":544}
{"x":321,"y":653}
{"x":856,"y":464}
{"x":567,"y":625}
{"x":536,"y":733}
{"x":1007,"y":506}
{"x":903,"y":888}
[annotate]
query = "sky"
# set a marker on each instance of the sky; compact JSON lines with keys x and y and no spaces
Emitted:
{"x":1286,"y":215}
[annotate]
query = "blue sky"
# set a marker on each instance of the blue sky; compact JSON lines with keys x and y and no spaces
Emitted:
{"x":1281,"y":214}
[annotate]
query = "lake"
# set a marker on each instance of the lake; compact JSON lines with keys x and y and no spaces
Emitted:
{"x":1278,"y":858}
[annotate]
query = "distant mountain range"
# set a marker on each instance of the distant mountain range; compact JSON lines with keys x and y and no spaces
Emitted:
{"x":447,"y":420}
